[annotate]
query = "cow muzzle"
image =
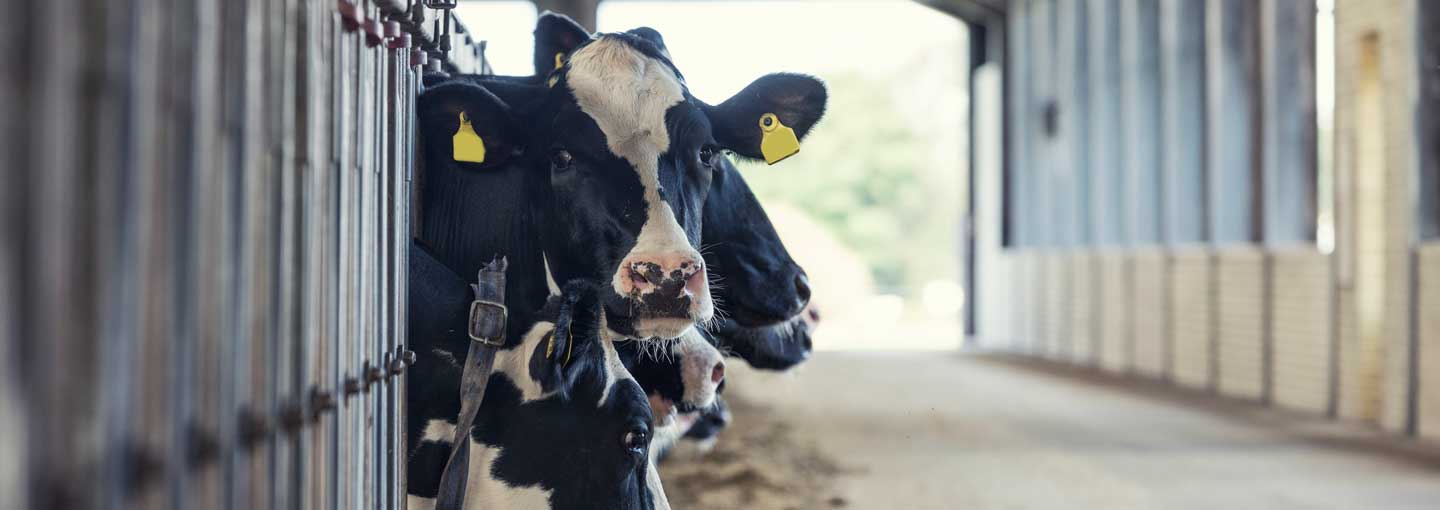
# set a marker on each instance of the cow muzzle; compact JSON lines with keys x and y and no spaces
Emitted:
{"x":668,"y":292}
{"x":702,"y":373}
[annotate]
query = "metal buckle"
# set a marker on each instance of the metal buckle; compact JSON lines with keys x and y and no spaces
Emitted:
{"x":494,"y":309}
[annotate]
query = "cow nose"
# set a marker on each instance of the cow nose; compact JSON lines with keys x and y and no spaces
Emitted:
{"x":681,"y":274}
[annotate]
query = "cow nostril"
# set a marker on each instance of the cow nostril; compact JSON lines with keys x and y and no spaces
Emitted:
{"x":802,"y":288}
{"x":717,"y":374}
{"x":697,"y":276}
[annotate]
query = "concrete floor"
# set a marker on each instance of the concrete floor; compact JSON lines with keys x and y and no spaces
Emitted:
{"x":938,"y":430}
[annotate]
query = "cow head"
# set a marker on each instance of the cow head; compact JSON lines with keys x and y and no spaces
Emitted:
{"x":705,"y":426}
{"x":775,"y":347}
{"x":762,"y":284}
{"x":632,"y":155}
{"x":679,"y":376}
{"x":556,"y":394}
{"x":561,"y":395}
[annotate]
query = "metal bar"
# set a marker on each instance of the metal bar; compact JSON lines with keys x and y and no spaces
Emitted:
{"x":1017,"y":121}
{"x":1427,"y":120}
{"x":208,"y":229}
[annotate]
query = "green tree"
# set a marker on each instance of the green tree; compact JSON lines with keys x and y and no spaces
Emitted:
{"x":864,"y":173}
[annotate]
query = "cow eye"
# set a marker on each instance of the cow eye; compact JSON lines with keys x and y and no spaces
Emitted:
{"x":560,"y":160}
{"x":707,"y":156}
{"x":636,"y":440}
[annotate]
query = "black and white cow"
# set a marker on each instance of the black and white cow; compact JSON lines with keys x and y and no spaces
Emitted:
{"x":764,"y":293}
{"x":563,"y":424}
{"x":599,"y":179}
{"x":617,"y":159}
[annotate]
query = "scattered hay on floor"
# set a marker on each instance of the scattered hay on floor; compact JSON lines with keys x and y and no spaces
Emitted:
{"x":758,"y":463}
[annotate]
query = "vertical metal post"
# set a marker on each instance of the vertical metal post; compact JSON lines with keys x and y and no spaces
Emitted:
{"x":1232,"y":120}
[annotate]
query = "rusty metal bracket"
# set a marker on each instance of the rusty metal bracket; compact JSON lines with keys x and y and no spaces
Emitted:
{"x":374,"y":32}
{"x":321,"y":402}
{"x":373,"y":375}
{"x":350,"y":15}
{"x":255,"y":428}
{"x":353,"y":386}
{"x":204,"y":446}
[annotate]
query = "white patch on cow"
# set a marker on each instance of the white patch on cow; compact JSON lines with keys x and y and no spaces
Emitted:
{"x":657,"y":489}
{"x":627,"y":94}
{"x":550,"y":277}
{"x":439,"y":431}
{"x":445,"y":355}
{"x":487,"y":493}
{"x":615,"y":370}
{"x":514,"y":363}
{"x":419,"y":503}
{"x":697,"y":359}
{"x":667,"y":435}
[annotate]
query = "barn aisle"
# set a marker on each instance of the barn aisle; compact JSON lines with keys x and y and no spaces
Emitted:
{"x":940,"y":431}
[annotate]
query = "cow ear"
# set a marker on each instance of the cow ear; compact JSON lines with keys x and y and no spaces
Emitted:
{"x":465,"y":123}
{"x":652,"y":35}
{"x":555,"y":34}
{"x":432,"y":78}
{"x":576,"y":334}
{"x":796,"y":102}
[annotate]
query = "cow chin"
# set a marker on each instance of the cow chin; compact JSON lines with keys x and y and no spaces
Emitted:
{"x":662,"y":327}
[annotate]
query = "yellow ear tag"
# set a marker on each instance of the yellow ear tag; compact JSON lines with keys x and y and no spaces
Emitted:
{"x":777,"y":140}
{"x":559,"y":63}
{"x":467,"y":144}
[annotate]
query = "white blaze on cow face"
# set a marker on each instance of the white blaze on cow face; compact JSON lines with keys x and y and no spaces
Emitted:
{"x":627,"y":94}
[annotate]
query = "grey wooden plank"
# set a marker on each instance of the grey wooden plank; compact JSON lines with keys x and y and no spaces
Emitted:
{"x":233,"y":83}
{"x":257,"y":209}
{"x":154,"y":201}
{"x":212,"y":263}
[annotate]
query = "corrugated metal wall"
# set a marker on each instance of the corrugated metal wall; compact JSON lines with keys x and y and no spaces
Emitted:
{"x":1238,"y":296}
{"x":205,"y":213}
